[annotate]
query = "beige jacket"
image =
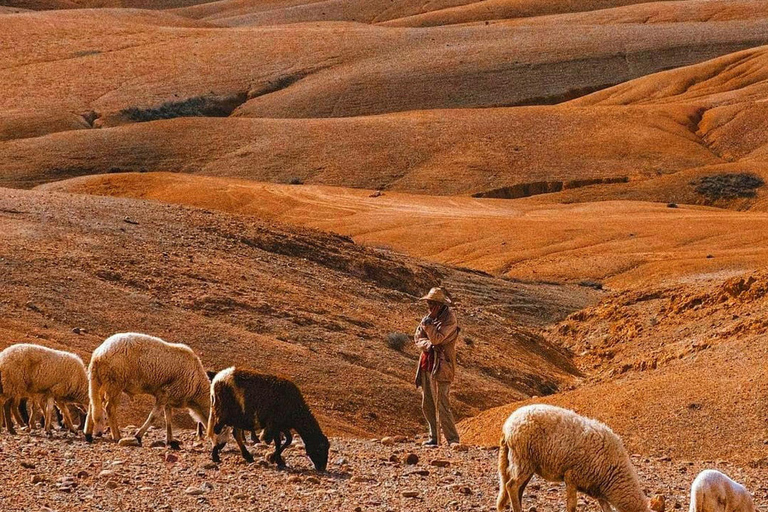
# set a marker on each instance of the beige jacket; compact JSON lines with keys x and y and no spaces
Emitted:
{"x":440,"y":333}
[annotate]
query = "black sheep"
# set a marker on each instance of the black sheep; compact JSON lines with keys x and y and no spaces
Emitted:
{"x":247,"y":400}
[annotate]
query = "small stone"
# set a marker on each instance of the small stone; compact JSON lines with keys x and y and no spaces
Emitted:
{"x":312,"y":480}
{"x":294,"y":479}
{"x":128,"y":441}
{"x":410,"y":494}
{"x":658,"y":503}
{"x":106,"y":473}
{"x":671,"y":205}
{"x":118,"y":462}
{"x":341,"y":461}
{"x":400,"y":439}
{"x":77,"y":330}
{"x":82,"y":474}
{"x":394,"y":458}
{"x":412,"y":459}
{"x":210,"y":465}
{"x":440,"y":463}
{"x":458,"y":447}
{"x":194,"y":491}
{"x":37,"y":479}
{"x":360,"y":479}
{"x":111,"y":484}
{"x":532,"y":509}
{"x":207,"y":486}
{"x":27,"y":465}
{"x":387,"y":441}
{"x":171,"y":458}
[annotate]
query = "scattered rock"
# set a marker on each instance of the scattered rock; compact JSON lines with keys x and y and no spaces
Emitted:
{"x":671,"y":205}
{"x":111,"y":484}
{"x":294,"y":479}
{"x":170,"y":457}
{"x":410,"y":494}
{"x":27,"y":465}
{"x":312,"y":480}
{"x":658,"y":503}
{"x":38,"y":478}
{"x":128,"y":441}
{"x":394,"y":458}
{"x":107,"y":473}
{"x":387,"y":441}
{"x":440,"y":463}
{"x":210,"y":465}
{"x":412,"y":459}
{"x":376,"y":194}
{"x":78,"y":330}
{"x":460,"y":447}
{"x":194,"y":491}
{"x":401,"y":439}
{"x":341,"y":461}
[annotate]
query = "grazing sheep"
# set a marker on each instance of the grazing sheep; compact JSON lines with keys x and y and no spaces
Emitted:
{"x":41,"y":373}
{"x":136,"y":364}
{"x":712,"y":491}
{"x":559,"y":445}
{"x":247,"y":400}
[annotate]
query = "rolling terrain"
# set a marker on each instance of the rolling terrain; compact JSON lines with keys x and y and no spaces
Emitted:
{"x":275,"y":183}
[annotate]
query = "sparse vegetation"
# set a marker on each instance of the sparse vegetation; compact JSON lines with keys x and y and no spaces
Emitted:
{"x":597,"y":285}
{"x":295,"y":181}
{"x":397,"y":340}
{"x":199,"y":106}
{"x":728,"y":186}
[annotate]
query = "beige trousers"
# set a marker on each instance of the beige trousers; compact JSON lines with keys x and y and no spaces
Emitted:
{"x":435,"y":404}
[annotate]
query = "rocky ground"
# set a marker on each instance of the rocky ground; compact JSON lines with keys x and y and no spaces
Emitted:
{"x":64,"y":473}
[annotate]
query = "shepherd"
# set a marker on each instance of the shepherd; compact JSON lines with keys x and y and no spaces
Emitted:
{"x":436,"y":338}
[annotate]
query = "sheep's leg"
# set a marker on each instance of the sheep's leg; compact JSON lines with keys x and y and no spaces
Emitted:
{"x":274,"y":435}
{"x":571,"y":497}
{"x":16,"y":413}
{"x":240,"y":440}
{"x":67,"y":417}
{"x":515,"y":486}
{"x":169,"y":442}
{"x":48,"y":412}
{"x":7,"y":415}
{"x":157,"y":409}
{"x":114,"y":428}
{"x":604,"y":505}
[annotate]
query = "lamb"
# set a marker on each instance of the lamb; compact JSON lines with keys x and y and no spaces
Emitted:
{"x":40,"y":373}
{"x":140,"y":364}
{"x":247,"y":400}
{"x":559,"y":445}
{"x":712,"y":491}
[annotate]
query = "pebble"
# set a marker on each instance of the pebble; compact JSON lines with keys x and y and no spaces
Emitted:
{"x":440,"y":463}
{"x":171,"y":458}
{"x":387,"y":441}
{"x":111,"y":484}
{"x":210,"y":465}
{"x":106,"y":473}
{"x":194,"y":491}
{"x":412,"y":459}
{"x":410,"y":494}
{"x":658,"y":503}
{"x":394,"y":458}
{"x":128,"y":441}
{"x":460,"y":447}
{"x":294,"y":479}
{"x":312,"y":480}
{"x":27,"y":465}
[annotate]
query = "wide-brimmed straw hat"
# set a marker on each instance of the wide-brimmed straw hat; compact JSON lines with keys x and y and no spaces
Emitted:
{"x":436,"y":295}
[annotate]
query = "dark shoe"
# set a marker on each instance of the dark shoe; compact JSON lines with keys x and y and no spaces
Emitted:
{"x":431,"y":442}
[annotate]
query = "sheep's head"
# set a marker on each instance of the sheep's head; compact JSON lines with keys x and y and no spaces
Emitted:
{"x":318,"y":452}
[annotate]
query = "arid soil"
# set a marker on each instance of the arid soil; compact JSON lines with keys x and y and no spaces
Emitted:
{"x":67,"y":474}
{"x":275,"y":183}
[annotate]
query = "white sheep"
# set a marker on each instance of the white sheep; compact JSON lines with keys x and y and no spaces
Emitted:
{"x":712,"y":491}
{"x":140,"y":364}
{"x":41,"y":374}
{"x":559,"y":445}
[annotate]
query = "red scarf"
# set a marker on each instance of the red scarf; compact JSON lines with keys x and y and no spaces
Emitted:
{"x":427,"y":360}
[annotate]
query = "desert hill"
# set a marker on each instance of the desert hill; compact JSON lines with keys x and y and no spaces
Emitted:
{"x":684,"y":362}
{"x":102,"y":67}
{"x":622,"y":244}
{"x":312,"y":306}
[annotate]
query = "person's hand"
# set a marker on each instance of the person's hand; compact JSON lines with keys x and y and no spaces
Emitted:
{"x":427,"y":320}
{"x":427,"y":347}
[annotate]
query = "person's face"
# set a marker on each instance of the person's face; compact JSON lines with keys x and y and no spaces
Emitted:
{"x":434,"y":307}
